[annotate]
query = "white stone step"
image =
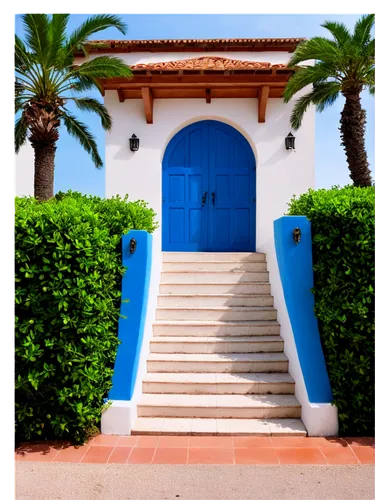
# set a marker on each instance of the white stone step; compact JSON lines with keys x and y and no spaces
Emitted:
{"x":219,"y":427}
{"x":215,"y":328}
{"x":214,"y":266}
{"x":214,"y":300}
{"x":208,"y":345}
{"x":213,"y":256}
{"x":215,"y":288}
{"x":214,"y":277}
{"x":219,"y":406}
{"x":216,"y":313}
{"x":217,"y":363}
{"x":218,"y":383}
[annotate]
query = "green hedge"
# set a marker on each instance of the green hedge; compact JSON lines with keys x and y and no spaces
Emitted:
{"x":343,"y":228}
{"x":68,"y":288}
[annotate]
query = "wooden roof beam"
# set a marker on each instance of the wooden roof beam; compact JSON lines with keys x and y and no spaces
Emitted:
{"x":208,"y":95}
{"x":202,"y":85}
{"x":100,"y":85}
{"x":262,"y":103}
{"x":121,"y":96}
{"x":204,"y":79}
{"x":148,"y":103}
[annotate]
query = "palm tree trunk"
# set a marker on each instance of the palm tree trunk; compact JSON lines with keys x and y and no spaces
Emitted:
{"x":44,"y":163}
{"x":353,"y":121}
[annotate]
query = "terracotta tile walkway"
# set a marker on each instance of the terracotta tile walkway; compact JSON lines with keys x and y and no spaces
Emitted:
{"x":204,"y":450}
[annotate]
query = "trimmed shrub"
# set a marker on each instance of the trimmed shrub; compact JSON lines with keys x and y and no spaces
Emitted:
{"x":68,"y":290}
{"x":343,"y":224}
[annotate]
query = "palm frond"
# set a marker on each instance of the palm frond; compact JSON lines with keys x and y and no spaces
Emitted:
{"x":369,"y":50}
{"x":57,"y":36}
{"x":339,"y":32}
{"x":362,"y":30}
{"x":92,"y":25}
{"x":306,"y":76}
{"x":36,"y":34}
{"x":19,"y":88}
{"x":94,"y":106}
{"x":322,"y":95}
{"x":318,"y":48}
{"x":18,"y":104}
{"x":367,"y":74}
{"x":80,"y":132}
{"x":325,"y":94}
{"x":17,"y":91}
{"x":299,"y":110}
{"x":80,"y":83}
{"x":20,"y":133}
{"x":104,"y":67}
{"x":22,"y":57}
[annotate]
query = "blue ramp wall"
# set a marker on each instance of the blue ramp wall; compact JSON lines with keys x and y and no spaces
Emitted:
{"x":296,"y":274}
{"x":134,"y":290}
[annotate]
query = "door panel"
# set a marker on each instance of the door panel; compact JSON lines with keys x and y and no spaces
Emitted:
{"x":241,"y":225}
{"x":232,"y":180}
{"x":177,"y":225}
{"x":213,"y":158}
{"x":185,"y":179}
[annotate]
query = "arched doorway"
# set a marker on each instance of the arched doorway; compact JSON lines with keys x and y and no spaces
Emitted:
{"x":208,"y":190}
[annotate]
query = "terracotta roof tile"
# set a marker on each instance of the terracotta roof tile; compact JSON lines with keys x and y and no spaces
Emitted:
{"x":206,"y":63}
{"x":199,"y":44}
{"x":181,"y":41}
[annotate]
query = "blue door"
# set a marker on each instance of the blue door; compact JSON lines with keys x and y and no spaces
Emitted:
{"x":208,"y":196}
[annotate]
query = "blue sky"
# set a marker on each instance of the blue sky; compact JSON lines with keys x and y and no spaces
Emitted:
{"x":74,"y":168}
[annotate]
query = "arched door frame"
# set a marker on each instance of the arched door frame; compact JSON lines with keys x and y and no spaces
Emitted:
{"x":209,"y":212}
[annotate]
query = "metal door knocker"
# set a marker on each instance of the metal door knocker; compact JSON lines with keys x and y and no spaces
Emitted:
{"x":297,"y":234}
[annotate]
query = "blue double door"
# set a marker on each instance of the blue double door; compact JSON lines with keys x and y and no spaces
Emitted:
{"x":208,"y":190}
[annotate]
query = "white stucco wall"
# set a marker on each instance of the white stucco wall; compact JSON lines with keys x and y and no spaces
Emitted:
{"x":24,"y":171}
{"x":280,"y":173}
{"x":132,"y":58}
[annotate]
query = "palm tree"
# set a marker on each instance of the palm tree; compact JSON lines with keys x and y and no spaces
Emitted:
{"x":47,"y":80}
{"x":344,"y":65}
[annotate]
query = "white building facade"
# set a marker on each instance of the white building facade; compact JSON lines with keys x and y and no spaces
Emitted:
{"x":194,"y":104}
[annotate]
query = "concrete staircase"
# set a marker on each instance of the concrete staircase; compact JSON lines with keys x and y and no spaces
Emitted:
{"x":216,"y":362}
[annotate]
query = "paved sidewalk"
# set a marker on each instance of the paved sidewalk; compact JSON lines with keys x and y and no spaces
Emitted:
{"x":215,"y":450}
{"x":57,"y":481}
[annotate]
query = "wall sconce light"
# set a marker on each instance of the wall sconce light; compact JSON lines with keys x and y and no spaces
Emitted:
{"x":290,"y":142}
{"x":134,"y":143}
{"x":133,"y":245}
{"x":297,"y":234}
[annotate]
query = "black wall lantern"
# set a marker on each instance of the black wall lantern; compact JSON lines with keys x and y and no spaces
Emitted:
{"x":133,"y":245}
{"x":290,"y":142}
{"x":134,"y":143}
{"x":297,"y":234}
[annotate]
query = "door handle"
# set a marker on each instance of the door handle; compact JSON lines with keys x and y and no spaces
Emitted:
{"x":204,"y":198}
{"x":213,"y":195}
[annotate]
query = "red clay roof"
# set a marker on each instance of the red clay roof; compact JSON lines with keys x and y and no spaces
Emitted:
{"x":206,"y":63}
{"x":201,"y":45}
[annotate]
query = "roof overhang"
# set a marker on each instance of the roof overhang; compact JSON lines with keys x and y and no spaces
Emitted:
{"x":194,"y":45}
{"x":202,"y":78}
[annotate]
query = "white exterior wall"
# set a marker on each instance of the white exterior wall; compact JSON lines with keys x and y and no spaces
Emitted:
{"x":280,"y":175}
{"x":132,"y":58}
{"x":24,"y":171}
